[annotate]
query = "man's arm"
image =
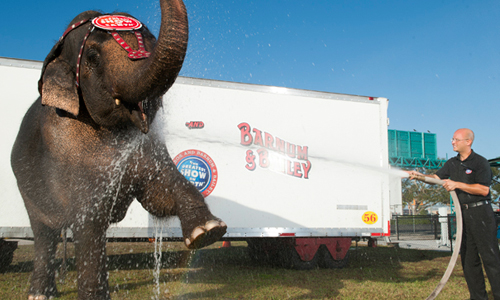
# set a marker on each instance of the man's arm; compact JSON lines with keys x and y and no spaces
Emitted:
{"x":450,"y":185}
{"x":415,"y":174}
{"x":474,"y":189}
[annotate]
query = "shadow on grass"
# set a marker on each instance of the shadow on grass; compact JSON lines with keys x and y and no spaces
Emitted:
{"x":231,"y":273}
{"x":233,"y":269}
{"x":134,"y":261}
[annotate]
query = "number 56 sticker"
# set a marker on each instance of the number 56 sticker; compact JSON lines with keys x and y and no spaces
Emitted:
{"x":370,"y":217}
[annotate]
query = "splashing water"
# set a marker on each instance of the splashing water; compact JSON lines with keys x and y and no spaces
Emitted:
{"x":403,"y":174}
{"x":158,"y":225}
{"x":276,"y":158}
{"x":392,"y":172}
{"x":117,"y":170}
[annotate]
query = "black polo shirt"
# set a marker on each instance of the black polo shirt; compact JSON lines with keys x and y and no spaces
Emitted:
{"x":474,"y":169}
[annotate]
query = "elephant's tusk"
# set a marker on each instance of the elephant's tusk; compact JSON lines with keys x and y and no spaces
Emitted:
{"x":117,"y":101}
{"x":143,"y":115}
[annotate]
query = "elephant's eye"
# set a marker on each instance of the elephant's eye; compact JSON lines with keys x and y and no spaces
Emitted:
{"x":93,"y":57}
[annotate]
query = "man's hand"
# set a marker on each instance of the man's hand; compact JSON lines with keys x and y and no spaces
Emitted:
{"x":450,"y":185}
{"x":474,"y":189}
{"x":419,"y":176}
{"x":415,"y":174}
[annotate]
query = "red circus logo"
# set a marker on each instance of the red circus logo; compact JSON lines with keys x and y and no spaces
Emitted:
{"x":116,"y":22}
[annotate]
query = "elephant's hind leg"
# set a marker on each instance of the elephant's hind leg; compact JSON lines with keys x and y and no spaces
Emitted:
{"x":43,"y":283}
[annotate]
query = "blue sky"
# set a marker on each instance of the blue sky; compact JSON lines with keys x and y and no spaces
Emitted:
{"x":438,"y":62}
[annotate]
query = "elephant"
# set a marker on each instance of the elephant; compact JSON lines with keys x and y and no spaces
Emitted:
{"x":85,"y":150}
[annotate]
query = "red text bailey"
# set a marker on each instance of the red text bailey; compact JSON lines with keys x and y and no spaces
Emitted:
{"x":283,"y":157}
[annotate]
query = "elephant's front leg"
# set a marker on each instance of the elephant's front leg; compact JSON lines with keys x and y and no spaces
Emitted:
{"x":43,"y":284}
{"x":90,"y":253}
{"x":169,"y":193}
{"x":199,"y":227}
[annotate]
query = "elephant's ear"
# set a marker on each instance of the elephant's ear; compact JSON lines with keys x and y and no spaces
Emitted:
{"x":58,"y":88}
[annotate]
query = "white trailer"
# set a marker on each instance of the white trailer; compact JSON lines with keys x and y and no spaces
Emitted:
{"x":284,"y":168}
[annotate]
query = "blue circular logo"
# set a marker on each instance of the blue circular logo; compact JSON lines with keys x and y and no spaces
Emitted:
{"x":199,"y":169}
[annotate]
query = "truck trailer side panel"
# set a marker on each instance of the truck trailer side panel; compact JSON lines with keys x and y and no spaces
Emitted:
{"x":18,"y":90}
{"x":271,"y":162}
{"x":288,"y":161}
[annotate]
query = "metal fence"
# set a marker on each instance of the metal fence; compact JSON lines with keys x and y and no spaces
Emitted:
{"x":437,"y":231}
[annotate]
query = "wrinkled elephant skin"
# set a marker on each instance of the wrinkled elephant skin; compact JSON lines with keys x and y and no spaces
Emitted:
{"x":85,"y":152}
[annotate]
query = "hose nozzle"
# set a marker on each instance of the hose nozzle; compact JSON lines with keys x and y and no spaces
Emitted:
{"x":430,"y":180}
{"x":419,"y":177}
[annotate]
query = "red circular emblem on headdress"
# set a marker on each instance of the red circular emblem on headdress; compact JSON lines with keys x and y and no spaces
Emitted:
{"x":116,"y":22}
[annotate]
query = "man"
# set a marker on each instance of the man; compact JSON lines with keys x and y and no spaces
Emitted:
{"x":469,"y":175}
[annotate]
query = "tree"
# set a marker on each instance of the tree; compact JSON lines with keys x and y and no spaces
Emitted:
{"x":419,"y":196}
{"x":495,"y":186}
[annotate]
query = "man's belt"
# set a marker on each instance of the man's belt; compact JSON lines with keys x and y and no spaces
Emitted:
{"x":475,"y":204}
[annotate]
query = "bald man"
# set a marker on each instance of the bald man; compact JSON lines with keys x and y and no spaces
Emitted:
{"x":469,"y":175}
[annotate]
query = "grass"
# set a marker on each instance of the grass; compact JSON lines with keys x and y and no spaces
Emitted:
{"x":229,"y":273}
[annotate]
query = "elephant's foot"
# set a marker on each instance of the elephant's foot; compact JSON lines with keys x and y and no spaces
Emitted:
{"x":37,"y":297}
{"x":205,"y":235}
{"x":43,"y":294}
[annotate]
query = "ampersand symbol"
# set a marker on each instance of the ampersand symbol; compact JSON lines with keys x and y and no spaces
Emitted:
{"x":250,"y":158}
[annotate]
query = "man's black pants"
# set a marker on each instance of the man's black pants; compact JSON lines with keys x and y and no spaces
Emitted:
{"x":480,"y":243}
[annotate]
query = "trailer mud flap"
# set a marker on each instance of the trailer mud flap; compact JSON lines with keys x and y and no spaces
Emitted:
{"x":307,"y":247}
{"x":7,"y":249}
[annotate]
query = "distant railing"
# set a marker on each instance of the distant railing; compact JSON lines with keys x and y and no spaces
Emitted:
{"x":414,"y":162}
{"x":442,"y":229}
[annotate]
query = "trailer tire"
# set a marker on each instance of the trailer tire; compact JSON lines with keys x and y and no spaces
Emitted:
{"x":326,"y":260}
{"x":280,"y":253}
{"x":6,"y":253}
{"x":258,"y":252}
{"x":6,"y":260}
{"x":291,"y":259}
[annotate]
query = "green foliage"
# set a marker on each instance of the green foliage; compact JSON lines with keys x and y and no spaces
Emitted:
{"x":419,"y":196}
{"x":425,"y":195}
{"x":495,"y":186}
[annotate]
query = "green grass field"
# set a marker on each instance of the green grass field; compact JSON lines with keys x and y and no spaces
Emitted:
{"x":229,"y":273}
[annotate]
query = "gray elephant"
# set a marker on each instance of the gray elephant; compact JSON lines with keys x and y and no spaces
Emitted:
{"x":82,"y":154}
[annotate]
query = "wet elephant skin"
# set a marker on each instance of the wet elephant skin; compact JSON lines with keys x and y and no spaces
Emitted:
{"x":84,"y":153}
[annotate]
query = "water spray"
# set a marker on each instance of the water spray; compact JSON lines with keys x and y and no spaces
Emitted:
{"x":458,"y":242}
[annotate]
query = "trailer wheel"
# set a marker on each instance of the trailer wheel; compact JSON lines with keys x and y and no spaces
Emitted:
{"x":6,"y":253}
{"x":280,"y":253}
{"x":258,"y":251}
{"x":326,"y":260}
{"x":291,"y":259}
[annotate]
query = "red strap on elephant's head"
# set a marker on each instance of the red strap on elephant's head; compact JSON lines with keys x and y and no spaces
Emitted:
{"x":117,"y":23}
{"x":112,"y":24}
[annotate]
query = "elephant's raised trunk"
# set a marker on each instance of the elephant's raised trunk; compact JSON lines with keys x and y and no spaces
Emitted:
{"x":159,"y":71}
